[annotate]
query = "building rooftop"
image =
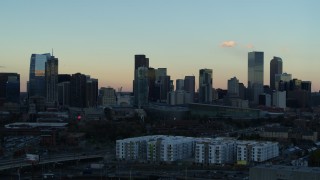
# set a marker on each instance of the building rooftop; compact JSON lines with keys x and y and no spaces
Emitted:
{"x":19,"y":125}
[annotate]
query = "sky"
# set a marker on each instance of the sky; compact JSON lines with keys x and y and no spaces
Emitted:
{"x":100,"y":37}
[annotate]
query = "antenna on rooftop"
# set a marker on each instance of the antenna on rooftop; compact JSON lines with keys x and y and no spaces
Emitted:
{"x":52,"y":51}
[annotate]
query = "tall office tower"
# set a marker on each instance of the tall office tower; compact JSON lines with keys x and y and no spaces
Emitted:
{"x":161,"y":84}
{"x":152,"y":85}
{"x":9,"y":88}
{"x":242,"y":91}
{"x":233,"y":87}
{"x":205,"y":85}
{"x":37,"y":82}
{"x":51,"y":76}
{"x":64,"y":93}
{"x":306,"y":85}
{"x":160,"y":72}
{"x":282,"y":81}
{"x":255,"y":75}
{"x":78,"y":90}
{"x":179,"y":84}
{"x":92,"y":92}
{"x":189,"y":86}
{"x":64,"y":89}
{"x":139,"y":61}
{"x":165,"y":87}
{"x":142,"y":88}
{"x":275,"y":68}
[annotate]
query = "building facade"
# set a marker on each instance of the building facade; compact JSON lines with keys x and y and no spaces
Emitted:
{"x":141,"y":93}
{"x":108,"y":96}
{"x":51,"y":77}
{"x":205,"y":86}
{"x":157,"y":148}
{"x":9,"y":88}
{"x":36,"y":84}
{"x":275,"y":68}
{"x":282,"y":81}
{"x":255,"y":75}
{"x":254,"y":151}
{"x":189,"y":86}
{"x":233,"y":87}
{"x":140,"y":61}
{"x":279,"y":99}
{"x":179,"y":84}
{"x":78,"y":90}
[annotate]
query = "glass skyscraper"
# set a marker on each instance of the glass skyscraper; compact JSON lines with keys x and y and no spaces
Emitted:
{"x":189,"y":86}
{"x":275,"y":68}
{"x":205,"y":86}
{"x":255,"y":75}
{"x":140,"y":61}
{"x":37,"y":82}
{"x":51,"y":77}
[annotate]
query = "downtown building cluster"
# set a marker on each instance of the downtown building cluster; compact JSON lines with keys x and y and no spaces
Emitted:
{"x":161,"y":148}
{"x":47,"y":88}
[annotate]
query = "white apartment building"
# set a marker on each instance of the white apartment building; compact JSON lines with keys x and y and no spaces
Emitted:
{"x":253,"y":151}
{"x":215,"y":151}
{"x":264,"y":151}
{"x":131,"y":148}
{"x":162,"y":148}
{"x":155,"y":148}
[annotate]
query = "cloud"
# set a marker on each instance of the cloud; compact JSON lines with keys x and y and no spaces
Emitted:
{"x":2,"y":67}
{"x":249,"y":46}
{"x":228,"y":44}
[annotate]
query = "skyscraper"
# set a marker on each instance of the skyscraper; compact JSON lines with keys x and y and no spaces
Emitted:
{"x":9,"y":88}
{"x":275,"y":68}
{"x":152,"y":85}
{"x":189,"y":86}
{"x":282,"y":81}
{"x":142,"y":88}
{"x":139,"y":61}
{"x":179,"y":84}
{"x":165,"y":87}
{"x":51,"y":76}
{"x":91,"y":92}
{"x":233,"y":87}
{"x":36,"y":84}
{"x":255,"y":75}
{"x":205,"y":86}
{"x":78,"y":90}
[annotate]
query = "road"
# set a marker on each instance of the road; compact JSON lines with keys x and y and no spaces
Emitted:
{"x":21,"y":162}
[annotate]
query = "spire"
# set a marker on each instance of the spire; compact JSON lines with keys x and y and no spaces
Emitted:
{"x":52,"y":52}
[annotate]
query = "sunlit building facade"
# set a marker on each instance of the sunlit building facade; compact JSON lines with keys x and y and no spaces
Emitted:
{"x":37,"y":81}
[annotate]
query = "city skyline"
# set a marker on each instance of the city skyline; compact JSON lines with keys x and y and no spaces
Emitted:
{"x":100,"y":39}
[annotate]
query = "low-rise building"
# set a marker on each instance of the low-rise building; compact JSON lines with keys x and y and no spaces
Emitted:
{"x":215,"y":151}
{"x":254,"y":151}
{"x":155,"y":148}
{"x":271,"y":172}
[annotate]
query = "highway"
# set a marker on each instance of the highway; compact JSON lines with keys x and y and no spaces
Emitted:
{"x":21,"y":162}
